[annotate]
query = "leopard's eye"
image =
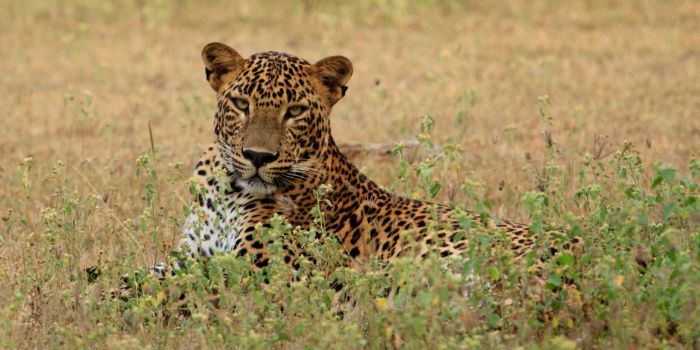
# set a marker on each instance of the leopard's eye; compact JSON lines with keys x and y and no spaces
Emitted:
{"x":241,"y":104}
{"x":294,"y":111}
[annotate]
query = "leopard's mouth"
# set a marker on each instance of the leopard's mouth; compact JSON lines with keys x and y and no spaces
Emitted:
{"x":257,"y":176}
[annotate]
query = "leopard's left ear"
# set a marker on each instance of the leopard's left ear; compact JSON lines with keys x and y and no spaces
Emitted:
{"x":333,"y":73}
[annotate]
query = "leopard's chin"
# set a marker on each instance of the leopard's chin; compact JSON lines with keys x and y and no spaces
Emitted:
{"x":256,"y":185}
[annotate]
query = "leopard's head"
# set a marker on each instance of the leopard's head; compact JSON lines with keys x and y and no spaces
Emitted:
{"x":272,"y":121}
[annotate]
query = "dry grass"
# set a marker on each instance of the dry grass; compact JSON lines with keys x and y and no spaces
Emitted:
{"x":81,"y":81}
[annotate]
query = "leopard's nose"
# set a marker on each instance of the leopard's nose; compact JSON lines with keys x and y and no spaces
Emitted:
{"x":259,"y":158}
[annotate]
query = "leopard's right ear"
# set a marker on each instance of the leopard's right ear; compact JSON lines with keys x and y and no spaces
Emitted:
{"x":221,"y":64}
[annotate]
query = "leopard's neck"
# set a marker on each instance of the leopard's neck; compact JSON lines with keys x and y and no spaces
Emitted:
{"x":357,"y":209}
{"x":350,"y":189}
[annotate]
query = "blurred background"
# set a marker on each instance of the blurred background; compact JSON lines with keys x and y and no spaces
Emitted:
{"x":82,"y":80}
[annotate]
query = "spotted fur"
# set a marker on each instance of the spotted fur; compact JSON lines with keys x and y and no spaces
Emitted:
{"x":274,"y":148}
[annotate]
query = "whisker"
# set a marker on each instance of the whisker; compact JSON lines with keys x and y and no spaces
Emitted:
{"x":292,"y":176}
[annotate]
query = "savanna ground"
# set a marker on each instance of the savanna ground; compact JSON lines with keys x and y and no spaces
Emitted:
{"x":582,"y":115}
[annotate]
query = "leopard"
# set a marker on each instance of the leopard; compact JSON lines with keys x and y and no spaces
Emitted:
{"x":274,"y":147}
